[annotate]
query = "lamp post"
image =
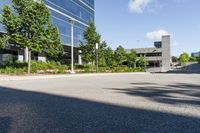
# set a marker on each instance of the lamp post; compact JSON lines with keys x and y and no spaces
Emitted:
{"x":97,"y":60}
{"x":145,"y":59}
{"x":72,"y":45}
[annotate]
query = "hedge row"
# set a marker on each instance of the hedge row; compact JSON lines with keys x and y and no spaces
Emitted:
{"x":57,"y":68}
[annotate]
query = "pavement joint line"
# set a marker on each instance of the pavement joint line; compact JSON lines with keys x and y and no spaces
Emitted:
{"x":37,"y":77}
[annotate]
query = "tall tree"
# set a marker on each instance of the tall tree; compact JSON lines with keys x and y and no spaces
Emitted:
{"x":102,"y":53}
{"x":110,"y":57}
{"x":120,"y":55}
{"x":4,"y":41}
{"x":28,"y":25}
{"x":174,"y":59}
{"x":91,"y":37}
{"x":131,"y":58}
{"x":142,"y":61}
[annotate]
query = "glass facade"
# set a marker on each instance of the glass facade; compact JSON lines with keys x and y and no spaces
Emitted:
{"x":2,"y":3}
{"x":82,"y":11}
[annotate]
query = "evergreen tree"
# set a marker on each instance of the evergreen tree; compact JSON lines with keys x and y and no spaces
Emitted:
{"x":102,"y":54}
{"x":120,"y":55}
{"x":142,"y":61}
{"x":131,"y":58}
{"x":91,"y":37}
{"x":109,"y":58}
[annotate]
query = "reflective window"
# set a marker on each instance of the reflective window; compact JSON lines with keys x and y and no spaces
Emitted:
{"x":81,"y":10}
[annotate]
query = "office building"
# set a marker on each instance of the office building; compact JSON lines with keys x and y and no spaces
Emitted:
{"x":195,"y":54}
{"x":81,"y":11}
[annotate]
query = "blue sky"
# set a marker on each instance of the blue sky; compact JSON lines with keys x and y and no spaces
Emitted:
{"x":138,"y":23}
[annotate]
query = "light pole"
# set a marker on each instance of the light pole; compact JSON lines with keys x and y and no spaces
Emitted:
{"x":72,"y":45}
{"x":97,"y":60}
{"x":145,"y":59}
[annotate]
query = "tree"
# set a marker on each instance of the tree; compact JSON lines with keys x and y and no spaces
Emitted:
{"x":131,"y":58}
{"x":142,"y":61}
{"x":91,"y":37}
{"x":120,"y":55}
{"x":184,"y":58}
{"x":110,"y":57}
{"x":174,"y":59}
{"x":102,"y":53}
{"x":4,"y":41}
{"x":194,"y":59}
{"x":28,"y":26}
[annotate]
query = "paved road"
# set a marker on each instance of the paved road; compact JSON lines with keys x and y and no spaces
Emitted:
{"x":103,"y":103}
{"x":188,"y":69}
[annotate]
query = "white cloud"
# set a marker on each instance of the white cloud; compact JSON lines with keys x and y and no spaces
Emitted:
{"x":156,"y":35}
{"x":138,"y":6}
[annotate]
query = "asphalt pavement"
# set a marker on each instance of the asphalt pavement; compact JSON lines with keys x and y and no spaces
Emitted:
{"x":141,"y":103}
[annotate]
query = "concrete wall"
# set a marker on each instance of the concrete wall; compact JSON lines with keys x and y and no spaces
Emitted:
{"x":166,"y":53}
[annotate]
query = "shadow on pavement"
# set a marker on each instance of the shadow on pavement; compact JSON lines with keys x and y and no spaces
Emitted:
{"x":23,"y":111}
{"x":5,"y":123}
{"x":180,"y":93}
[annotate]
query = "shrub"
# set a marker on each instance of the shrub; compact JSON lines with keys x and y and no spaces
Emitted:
{"x":48,"y":67}
{"x":37,"y":67}
{"x":13,"y":70}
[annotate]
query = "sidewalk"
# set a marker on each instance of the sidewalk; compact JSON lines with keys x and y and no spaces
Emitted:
{"x":38,"y":77}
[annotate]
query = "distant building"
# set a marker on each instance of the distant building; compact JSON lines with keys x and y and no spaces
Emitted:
{"x":158,"y":57}
{"x":196,"y":54}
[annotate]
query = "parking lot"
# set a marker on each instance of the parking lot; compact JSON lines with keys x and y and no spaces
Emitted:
{"x":102,"y":103}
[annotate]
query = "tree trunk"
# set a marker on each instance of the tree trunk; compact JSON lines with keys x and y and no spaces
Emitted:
{"x":29,"y":62}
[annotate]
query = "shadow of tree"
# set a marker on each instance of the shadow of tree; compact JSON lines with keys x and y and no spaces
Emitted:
{"x":5,"y":123}
{"x":180,"y":93}
{"x":39,"y":112}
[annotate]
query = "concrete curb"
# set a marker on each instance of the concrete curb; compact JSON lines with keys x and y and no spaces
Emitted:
{"x":38,"y":77}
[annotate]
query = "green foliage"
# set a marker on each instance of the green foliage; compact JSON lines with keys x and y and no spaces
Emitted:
{"x":198,"y":59}
{"x":48,"y":67}
{"x":102,"y":54}
{"x":106,"y":69}
{"x":174,"y":59}
{"x":37,"y":67}
{"x":4,"y":41}
{"x":184,"y":58}
{"x":53,"y":46}
{"x":91,"y":37}
{"x":194,"y":59}
{"x":141,"y":62}
{"x":13,"y":70}
{"x":127,"y":69}
{"x":28,"y":25}
{"x":131,"y":58}
{"x":110,"y":57}
{"x":120,"y":55}
{"x":17,"y":68}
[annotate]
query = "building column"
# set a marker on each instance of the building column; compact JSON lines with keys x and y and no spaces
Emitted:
{"x":166,"y":53}
{"x":80,"y":57}
{"x":42,"y":57}
{"x":20,"y":56}
{"x":26,"y":54}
